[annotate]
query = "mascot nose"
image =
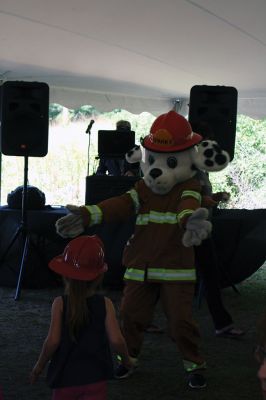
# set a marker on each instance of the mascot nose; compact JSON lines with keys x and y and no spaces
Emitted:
{"x":155,"y":172}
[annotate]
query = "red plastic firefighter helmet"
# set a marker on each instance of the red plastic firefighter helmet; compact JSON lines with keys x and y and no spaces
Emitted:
{"x":82,"y":259}
{"x":169,"y":133}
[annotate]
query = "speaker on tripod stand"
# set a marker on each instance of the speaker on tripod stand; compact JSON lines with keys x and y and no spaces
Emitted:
{"x":24,"y":132}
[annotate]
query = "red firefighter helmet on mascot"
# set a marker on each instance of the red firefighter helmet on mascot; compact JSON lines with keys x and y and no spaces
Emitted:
{"x":169,"y":133}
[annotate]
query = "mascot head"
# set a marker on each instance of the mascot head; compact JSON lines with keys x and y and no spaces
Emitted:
{"x":172,"y":153}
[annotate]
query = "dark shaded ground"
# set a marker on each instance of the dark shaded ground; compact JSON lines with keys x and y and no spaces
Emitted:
{"x":231,"y":365}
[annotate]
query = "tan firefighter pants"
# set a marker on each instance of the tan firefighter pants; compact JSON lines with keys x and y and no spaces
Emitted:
{"x":137,"y":307}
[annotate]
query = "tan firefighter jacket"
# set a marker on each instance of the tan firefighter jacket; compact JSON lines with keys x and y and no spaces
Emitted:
{"x":155,"y":251}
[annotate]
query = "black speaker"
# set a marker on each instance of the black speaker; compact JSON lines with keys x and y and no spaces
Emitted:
{"x":24,"y":118}
{"x":101,"y":187}
{"x":213,"y":113}
{"x":115,"y":144}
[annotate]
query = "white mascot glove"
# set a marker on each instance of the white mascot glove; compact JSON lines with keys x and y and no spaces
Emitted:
{"x":72,"y":224}
{"x":197,"y":228}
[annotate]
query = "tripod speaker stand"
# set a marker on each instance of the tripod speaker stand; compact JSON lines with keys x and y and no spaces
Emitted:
{"x":22,"y":231}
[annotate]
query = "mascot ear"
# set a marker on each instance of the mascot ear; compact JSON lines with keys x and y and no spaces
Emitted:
{"x":134,"y":155}
{"x":210,"y":157}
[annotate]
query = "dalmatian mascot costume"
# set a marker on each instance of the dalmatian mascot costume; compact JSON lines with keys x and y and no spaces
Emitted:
{"x":170,"y":220}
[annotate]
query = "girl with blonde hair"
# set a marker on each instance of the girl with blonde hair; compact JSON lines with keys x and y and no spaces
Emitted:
{"x":83,"y":327}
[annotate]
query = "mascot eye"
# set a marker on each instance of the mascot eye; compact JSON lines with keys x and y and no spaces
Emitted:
{"x":171,"y":162}
{"x":151,"y":159}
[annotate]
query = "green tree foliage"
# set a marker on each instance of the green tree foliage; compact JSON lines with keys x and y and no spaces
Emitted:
{"x":83,"y":113}
{"x":244,"y":178}
{"x":54,"y":111}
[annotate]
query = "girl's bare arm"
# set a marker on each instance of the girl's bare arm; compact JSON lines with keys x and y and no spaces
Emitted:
{"x":52,"y":340}
{"x":115,"y":336}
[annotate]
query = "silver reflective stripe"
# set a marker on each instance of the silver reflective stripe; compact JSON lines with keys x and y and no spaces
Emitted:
{"x":171,"y":274}
{"x":95,"y":214}
{"x":157,"y":218}
{"x":191,"y":193}
{"x":135,"y":197}
{"x":134,"y":274}
{"x":183,"y":214}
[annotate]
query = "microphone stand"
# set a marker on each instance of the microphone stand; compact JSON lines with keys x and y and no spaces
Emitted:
{"x":88,"y":130}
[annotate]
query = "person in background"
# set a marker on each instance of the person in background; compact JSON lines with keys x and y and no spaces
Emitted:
{"x":260,"y":353}
{"x":118,"y":167}
{"x":208,"y":271}
{"x":83,"y":325}
{"x":206,"y":257}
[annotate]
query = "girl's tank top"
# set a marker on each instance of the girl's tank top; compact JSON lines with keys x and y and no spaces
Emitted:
{"x":89,"y":359}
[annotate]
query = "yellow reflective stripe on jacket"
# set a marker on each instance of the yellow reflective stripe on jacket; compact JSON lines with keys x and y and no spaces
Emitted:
{"x":192,"y":193}
{"x":160,"y":274}
{"x":157,"y":218}
{"x":171,"y":274}
{"x":184,"y":213}
{"x":96,"y":215}
{"x":134,"y":274}
{"x":135,"y":197}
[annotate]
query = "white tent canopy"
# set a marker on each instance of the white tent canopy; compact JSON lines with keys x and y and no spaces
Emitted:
{"x":139,"y":55}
